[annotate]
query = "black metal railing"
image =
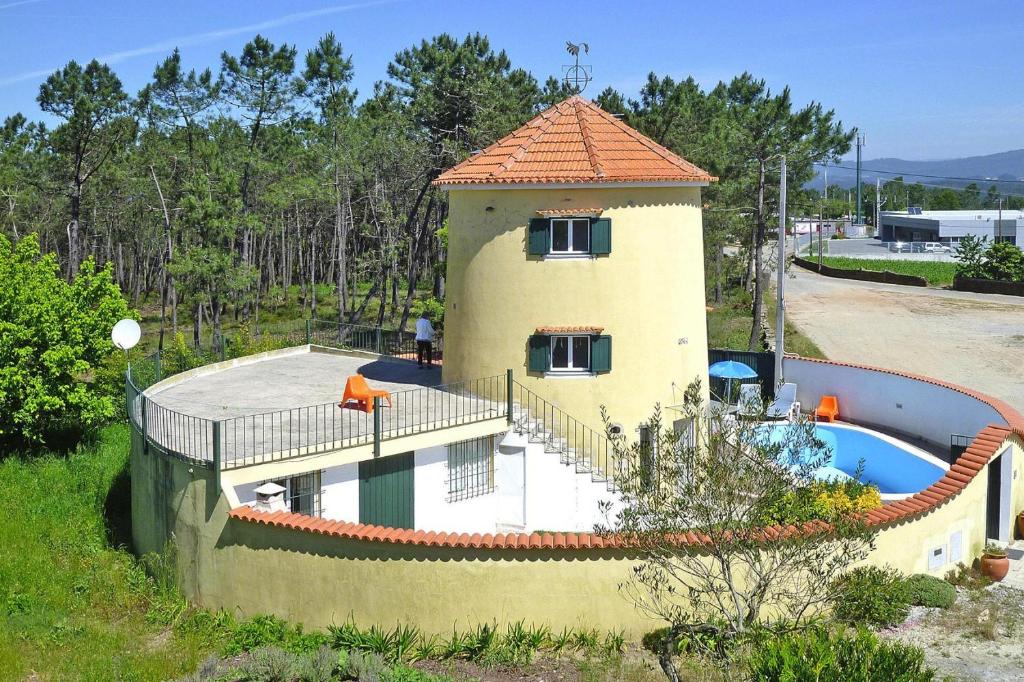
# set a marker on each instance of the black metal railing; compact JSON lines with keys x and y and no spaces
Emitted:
{"x":281,"y":434}
{"x":589,"y":450}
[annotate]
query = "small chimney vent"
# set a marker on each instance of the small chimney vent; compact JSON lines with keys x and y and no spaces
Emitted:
{"x":270,"y":498}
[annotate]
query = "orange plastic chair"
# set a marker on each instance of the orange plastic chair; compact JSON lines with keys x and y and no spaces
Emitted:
{"x":827,"y":410}
{"x":356,"y":389}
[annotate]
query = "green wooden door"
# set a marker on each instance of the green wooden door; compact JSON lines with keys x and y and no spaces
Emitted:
{"x":386,"y":491}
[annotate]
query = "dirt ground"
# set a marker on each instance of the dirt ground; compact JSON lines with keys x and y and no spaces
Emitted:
{"x":978,"y":638}
{"x":972,"y":339}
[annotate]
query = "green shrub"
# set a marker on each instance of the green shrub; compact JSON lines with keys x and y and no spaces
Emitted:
{"x":269,"y":664}
{"x":926,"y":590}
{"x":969,"y":577}
{"x":54,"y":338}
{"x":822,"y":656}
{"x":871,"y":596}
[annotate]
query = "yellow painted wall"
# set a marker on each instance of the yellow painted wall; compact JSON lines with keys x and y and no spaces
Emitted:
{"x":318,"y":580}
{"x":647,"y":294}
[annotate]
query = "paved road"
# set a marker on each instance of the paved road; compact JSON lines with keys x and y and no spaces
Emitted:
{"x":972,"y":339}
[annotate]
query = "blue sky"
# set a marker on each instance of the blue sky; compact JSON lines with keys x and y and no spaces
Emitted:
{"x":923,"y":80}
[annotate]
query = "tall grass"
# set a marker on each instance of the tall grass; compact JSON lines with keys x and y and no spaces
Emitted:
{"x":72,"y":604}
{"x":936,"y":273}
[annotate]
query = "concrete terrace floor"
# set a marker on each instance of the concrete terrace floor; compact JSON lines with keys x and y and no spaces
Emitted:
{"x":289,"y":402}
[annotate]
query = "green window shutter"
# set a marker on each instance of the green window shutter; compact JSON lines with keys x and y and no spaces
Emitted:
{"x":540,"y":353}
{"x":600,"y":354}
{"x":539,"y":238}
{"x":601,"y":236}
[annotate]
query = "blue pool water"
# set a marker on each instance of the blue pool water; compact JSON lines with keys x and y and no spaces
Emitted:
{"x":896,"y":470}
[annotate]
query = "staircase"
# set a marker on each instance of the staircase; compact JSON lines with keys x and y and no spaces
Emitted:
{"x":576,"y":444}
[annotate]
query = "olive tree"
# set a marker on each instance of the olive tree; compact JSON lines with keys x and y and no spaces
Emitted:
{"x":720,"y":512}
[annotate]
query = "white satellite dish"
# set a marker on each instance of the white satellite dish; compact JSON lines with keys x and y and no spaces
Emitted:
{"x":126,"y":334}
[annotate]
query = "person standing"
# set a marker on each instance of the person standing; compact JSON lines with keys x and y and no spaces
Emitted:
{"x":424,"y":341}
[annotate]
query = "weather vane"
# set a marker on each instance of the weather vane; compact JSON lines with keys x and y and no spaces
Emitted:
{"x":576,"y":76}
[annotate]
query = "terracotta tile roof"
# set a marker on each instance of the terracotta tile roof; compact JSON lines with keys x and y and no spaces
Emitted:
{"x":984,"y":446}
{"x":574,"y":141}
{"x":555,"y":212}
{"x":571,"y":329}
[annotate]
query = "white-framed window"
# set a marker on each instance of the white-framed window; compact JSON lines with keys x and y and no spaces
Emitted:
{"x":470,"y":468}
{"x":570,"y":235}
{"x":570,"y":354}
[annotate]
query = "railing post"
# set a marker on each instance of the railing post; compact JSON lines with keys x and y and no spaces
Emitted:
{"x":157,"y":363}
{"x":216,"y":456}
{"x":309,"y":331}
{"x":377,"y":329}
{"x":508,"y":395}
{"x":145,"y":428}
{"x":377,"y":427}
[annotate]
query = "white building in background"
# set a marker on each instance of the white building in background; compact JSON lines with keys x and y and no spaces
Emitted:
{"x":950,"y":226}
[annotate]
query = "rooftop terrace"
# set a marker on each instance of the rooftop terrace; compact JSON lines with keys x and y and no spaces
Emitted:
{"x":285,"y":404}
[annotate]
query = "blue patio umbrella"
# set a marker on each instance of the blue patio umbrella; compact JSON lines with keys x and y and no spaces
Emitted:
{"x":729,"y":370}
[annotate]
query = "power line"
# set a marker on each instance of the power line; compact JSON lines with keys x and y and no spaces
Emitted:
{"x":914,"y":175}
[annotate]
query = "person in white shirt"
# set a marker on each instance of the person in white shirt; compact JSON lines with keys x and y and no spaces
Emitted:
{"x":424,"y":341}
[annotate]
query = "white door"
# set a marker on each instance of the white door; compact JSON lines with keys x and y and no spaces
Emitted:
{"x":510,"y":480}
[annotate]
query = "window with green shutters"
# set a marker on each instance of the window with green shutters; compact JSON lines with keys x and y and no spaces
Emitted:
{"x":569,"y":353}
{"x":567,"y":236}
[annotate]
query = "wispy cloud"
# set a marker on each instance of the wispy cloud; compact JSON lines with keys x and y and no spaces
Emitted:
{"x":19,"y":3}
{"x":165,"y":46}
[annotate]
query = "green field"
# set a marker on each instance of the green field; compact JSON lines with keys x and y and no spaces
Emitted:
{"x":73,"y":603}
{"x":936,"y":273}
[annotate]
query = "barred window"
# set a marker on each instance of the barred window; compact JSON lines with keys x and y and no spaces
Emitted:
{"x":470,"y":468}
{"x":303,"y":494}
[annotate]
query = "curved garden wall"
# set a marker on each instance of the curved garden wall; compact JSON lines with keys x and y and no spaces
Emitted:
{"x":319,"y":572}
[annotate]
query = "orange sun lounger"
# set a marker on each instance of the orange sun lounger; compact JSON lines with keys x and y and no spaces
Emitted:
{"x":827,"y":410}
{"x":356,"y":389}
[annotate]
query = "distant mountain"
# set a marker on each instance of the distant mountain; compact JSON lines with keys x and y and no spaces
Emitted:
{"x":991,"y":167}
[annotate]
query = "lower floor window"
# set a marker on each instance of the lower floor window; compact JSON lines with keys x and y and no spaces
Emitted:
{"x":470,"y":468}
{"x":570,"y":353}
{"x":302,"y":493}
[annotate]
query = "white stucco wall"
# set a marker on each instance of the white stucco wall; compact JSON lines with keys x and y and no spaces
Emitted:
{"x":912,"y":406}
{"x":554,"y":496}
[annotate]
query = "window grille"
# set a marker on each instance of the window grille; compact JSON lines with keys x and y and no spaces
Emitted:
{"x":303,"y":493}
{"x":470,"y":468}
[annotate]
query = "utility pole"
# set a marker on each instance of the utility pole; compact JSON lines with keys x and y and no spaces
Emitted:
{"x":860,"y":143}
{"x":780,"y":307}
{"x":999,"y":222}
{"x":878,"y":205}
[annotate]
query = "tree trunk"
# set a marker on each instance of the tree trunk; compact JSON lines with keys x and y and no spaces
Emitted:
{"x":754,"y":343}
{"x":74,"y":230}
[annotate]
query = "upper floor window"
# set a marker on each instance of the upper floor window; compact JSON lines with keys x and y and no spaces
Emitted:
{"x":569,"y":236}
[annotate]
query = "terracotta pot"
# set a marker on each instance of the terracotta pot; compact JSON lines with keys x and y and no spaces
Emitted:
{"x":995,"y":568}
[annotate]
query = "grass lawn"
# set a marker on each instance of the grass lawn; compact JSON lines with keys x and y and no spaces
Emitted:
{"x":729,"y":327}
{"x":73,"y":605}
{"x":936,"y":273}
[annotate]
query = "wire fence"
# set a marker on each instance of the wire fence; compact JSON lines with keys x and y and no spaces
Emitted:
{"x":281,"y":434}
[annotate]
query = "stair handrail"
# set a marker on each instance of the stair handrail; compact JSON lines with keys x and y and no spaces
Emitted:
{"x":576,"y":442}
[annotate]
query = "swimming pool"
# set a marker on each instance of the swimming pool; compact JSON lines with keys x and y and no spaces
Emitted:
{"x":897,"y":468}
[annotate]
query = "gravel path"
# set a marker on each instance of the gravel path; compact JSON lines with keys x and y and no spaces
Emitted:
{"x":972,"y":339}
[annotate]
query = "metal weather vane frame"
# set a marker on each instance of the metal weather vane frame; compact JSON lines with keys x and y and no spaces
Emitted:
{"x":577,"y":76}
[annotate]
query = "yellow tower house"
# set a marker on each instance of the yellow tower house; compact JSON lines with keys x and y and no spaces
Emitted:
{"x":576,"y":258}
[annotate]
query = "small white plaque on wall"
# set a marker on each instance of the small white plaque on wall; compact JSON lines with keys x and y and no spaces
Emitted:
{"x":956,"y":547}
